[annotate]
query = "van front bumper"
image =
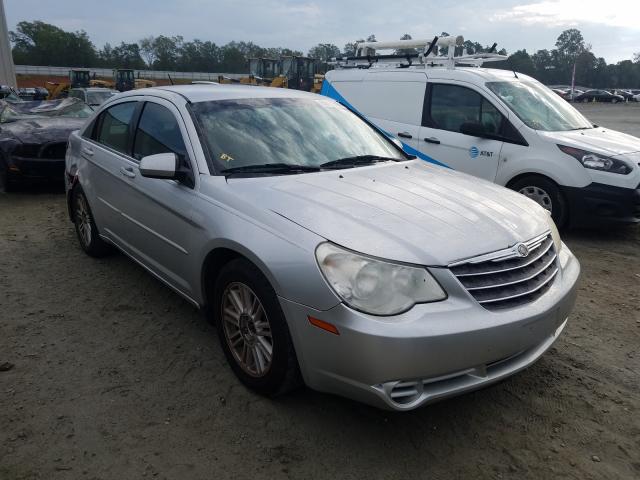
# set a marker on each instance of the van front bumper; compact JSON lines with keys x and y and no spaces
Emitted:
{"x":433,"y":351}
{"x":599,"y":204}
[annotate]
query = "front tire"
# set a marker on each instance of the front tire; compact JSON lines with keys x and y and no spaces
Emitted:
{"x":614,"y":100}
{"x":546,"y":193}
{"x":86,"y":228}
{"x":252,"y":330}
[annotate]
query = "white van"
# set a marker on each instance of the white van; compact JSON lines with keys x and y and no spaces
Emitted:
{"x":504,"y":127}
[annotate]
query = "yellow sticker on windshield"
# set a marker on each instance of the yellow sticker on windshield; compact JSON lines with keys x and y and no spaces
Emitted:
{"x":226,"y":158}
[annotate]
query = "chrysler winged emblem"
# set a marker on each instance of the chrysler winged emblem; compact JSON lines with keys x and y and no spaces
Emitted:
{"x":522,"y":249}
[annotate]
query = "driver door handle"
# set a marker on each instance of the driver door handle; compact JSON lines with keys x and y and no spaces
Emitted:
{"x":432,"y":140}
{"x":87,"y":151}
{"x":405,"y":135}
{"x":128,"y":172}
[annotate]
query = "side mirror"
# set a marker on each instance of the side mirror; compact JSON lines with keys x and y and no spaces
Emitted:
{"x":160,"y":165}
{"x":473,"y":129}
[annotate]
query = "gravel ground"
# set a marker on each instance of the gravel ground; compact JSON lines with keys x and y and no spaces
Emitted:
{"x":106,"y":374}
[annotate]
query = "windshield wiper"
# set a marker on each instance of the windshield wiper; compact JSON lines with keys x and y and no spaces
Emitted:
{"x":356,"y":161}
{"x":270,"y":168}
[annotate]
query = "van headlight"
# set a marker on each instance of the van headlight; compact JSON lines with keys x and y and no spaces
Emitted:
{"x":595,"y":161}
{"x":376,"y":286}
{"x":555,"y":235}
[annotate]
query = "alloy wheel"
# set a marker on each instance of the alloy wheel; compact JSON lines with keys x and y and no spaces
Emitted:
{"x":538,"y":195}
{"x":247,"y":329}
{"x":83,"y":219}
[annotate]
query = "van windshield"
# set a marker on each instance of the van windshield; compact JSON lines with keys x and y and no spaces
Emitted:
{"x":538,"y":107}
{"x":293,"y":131}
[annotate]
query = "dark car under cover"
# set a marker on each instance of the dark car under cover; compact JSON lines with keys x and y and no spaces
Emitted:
{"x":33,"y":138}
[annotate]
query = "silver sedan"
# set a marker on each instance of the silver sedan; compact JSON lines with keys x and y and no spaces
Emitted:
{"x":324,"y":254}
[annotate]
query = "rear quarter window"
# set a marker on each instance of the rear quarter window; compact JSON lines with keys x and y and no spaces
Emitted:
{"x":396,"y":101}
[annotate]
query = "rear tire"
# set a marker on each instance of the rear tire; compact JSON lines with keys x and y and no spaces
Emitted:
{"x":585,"y":100}
{"x":253,"y":331}
{"x":614,"y":100}
{"x":86,"y":228}
{"x":546,"y":193}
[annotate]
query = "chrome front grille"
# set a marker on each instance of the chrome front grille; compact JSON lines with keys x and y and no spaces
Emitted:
{"x":510,"y":277}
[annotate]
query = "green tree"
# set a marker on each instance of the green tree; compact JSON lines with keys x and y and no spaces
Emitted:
{"x":148,"y":51}
{"x":324,"y":52}
{"x":39,"y":43}
{"x":167,"y":52}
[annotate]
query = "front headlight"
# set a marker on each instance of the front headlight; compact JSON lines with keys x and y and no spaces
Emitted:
{"x":595,"y":161}
{"x":555,"y":235}
{"x":375,"y":286}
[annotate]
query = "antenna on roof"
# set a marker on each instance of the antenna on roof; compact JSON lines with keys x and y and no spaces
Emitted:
{"x":493,"y":48}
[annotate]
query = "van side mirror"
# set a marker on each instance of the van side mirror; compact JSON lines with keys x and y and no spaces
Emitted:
{"x":160,"y":165}
{"x":474,"y":129}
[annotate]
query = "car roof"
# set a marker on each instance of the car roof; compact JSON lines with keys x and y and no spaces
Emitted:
{"x":204,"y":93}
{"x":459,"y":73}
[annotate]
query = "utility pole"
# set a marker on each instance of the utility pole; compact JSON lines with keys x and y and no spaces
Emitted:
{"x":7,"y":70}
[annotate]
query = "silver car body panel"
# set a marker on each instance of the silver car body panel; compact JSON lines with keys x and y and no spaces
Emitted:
{"x":408,"y":212}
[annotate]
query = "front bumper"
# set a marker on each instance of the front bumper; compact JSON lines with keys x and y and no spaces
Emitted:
{"x":434,"y":350}
{"x":599,"y":204}
{"x":34,"y":169}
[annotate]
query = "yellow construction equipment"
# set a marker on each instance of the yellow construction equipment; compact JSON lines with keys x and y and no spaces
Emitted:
{"x":287,"y":72}
{"x":78,"y":78}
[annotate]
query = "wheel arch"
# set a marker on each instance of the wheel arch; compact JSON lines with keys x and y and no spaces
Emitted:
{"x":522,"y":175}
{"x":217,"y":257}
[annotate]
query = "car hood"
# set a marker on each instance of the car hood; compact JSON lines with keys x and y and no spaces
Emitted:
{"x":39,"y":130}
{"x":598,"y":140}
{"x":409,"y":211}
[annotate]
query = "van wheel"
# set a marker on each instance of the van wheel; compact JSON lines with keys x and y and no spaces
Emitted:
{"x":86,"y":228}
{"x":253,"y":331}
{"x":544,"y":192}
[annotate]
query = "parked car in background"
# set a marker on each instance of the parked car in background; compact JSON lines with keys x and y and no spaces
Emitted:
{"x":636,"y":97}
{"x":624,"y":94}
{"x":598,"y":96}
{"x":33,"y":139}
{"x":571,"y":96}
{"x":92,"y":96}
{"x":510,"y":130}
{"x":322,"y":251}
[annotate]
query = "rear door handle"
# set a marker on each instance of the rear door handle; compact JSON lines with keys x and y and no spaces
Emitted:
{"x":432,"y":140}
{"x":87,"y":151}
{"x":405,"y":135}
{"x":128,"y":172}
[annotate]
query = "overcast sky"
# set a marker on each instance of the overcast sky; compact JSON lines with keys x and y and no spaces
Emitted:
{"x":612,"y":27}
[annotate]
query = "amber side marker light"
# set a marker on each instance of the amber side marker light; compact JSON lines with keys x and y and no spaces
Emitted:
{"x":316,"y":322}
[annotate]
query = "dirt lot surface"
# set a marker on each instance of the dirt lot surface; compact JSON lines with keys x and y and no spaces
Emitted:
{"x":107,"y":374}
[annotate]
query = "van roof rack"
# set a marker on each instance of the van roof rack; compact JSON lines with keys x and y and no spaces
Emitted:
{"x":426,"y":53}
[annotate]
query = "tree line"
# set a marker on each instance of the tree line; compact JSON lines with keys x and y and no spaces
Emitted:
{"x":40,"y":43}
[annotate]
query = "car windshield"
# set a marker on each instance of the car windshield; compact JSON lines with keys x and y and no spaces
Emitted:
{"x":68,"y":107}
{"x":97,"y":98}
{"x":292,"y":131}
{"x":538,"y":107}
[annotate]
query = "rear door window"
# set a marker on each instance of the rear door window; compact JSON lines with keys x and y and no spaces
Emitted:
{"x":113,"y":126}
